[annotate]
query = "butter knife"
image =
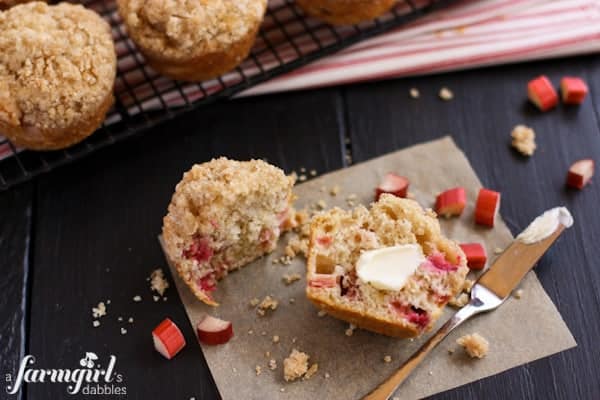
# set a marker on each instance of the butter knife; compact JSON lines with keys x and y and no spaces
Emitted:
{"x":491,"y":289}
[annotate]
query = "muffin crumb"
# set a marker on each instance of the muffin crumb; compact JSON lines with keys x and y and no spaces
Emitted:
{"x":446,"y":94}
{"x":295,"y":365}
{"x":518,"y":294}
{"x":414,"y":93}
{"x":523,"y":140}
{"x":387,"y":359}
{"x":474,"y":344}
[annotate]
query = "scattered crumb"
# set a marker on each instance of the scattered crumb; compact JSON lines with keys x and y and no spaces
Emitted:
{"x":268,"y":303}
{"x":430,"y":373}
{"x":158,"y":283}
{"x":130,"y":320}
{"x":108,"y":302}
{"x":387,"y":359}
{"x":460,"y":301}
{"x":302,"y":178}
{"x":498,"y":250}
{"x":282,"y":390}
{"x":291,"y":278}
{"x":272,"y":364}
{"x":518,"y":294}
{"x":267,"y":354}
{"x":275,"y":339}
{"x":294,"y":339}
{"x":292,"y":300}
{"x":327,"y":376}
{"x":311,"y":371}
{"x":250,"y":332}
{"x":322,"y":313}
{"x":95,"y":323}
{"x":137,"y":299}
{"x":523,"y":140}
{"x":335,"y":190}
{"x":321,"y":204}
{"x":254,"y":302}
{"x":123,"y":331}
{"x":414,"y":93}
{"x":302,"y":170}
{"x":450,"y":351}
{"x":313,"y":172}
{"x":446,"y":94}
{"x":258,"y":370}
{"x":351,"y":197}
{"x":263,"y":333}
{"x":165,"y":298}
{"x":99,"y":311}
{"x":295,"y":365}
{"x":350,"y":330}
{"x":475,"y":345}
{"x":120,"y":319}
{"x":468,"y":285}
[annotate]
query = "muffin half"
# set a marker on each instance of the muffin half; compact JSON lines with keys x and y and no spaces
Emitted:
{"x":387,"y":269}
{"x":223,"y":215}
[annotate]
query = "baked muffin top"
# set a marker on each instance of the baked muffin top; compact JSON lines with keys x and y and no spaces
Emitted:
{"x":184,"y":28}
{"x":4,"y":4}
{"x":57,"y":65}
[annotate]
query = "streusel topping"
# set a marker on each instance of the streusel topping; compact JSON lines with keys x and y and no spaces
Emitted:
{"x":179,"y":28}
{"x":57,"y":64}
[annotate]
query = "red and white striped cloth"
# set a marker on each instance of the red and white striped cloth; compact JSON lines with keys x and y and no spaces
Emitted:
{"x":469,"y":34}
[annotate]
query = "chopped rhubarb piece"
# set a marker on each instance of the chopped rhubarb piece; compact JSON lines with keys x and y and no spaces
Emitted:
{"x":207,"y":283}
{"x":542,"y":93}
{"x":213,"y":330}
{"x":438,"y":261}
{"x":476,"y":255}
{"x":412,"y":314}
{"x":580,"y":173}
{"x":487,"y":206}
{"x":200,"y":250}
{"x":392,"y":184}
{"x":451,"y":202}
{"x":324,"y":241}
{"x":323,"y":281}
{"x":573,"y":90}
{"x":168,"y":339}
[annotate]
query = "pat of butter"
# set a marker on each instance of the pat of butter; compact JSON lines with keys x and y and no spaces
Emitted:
{"x":388,"y":268}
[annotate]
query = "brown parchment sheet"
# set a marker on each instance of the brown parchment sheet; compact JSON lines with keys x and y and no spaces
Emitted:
{"x":519,"y":331}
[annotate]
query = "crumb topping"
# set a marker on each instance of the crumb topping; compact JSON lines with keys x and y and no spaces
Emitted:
{"x":180,"y":28}
{"x":57,"y":64}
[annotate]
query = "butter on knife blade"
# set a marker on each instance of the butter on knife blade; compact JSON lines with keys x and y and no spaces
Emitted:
{"x":520,"y":257}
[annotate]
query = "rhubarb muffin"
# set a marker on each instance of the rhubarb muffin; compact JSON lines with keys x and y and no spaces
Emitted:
{"x":387,"y":269}
{"x":57,"y":71}
{"x":193,"y":40}
{"x":223,"y":215}
{"x":5,"y":4}
{"x":345,"y":12}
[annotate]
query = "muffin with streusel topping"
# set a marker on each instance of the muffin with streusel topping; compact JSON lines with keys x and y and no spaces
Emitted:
{"x":193,"y":40}
{"x":4,"y":4}
{"x":345,"y":12}
{"x":223,"y":215}
{"x":57,"y":72}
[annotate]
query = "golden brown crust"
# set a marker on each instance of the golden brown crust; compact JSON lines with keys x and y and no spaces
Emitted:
{"x":345,"y":12}
{"x":193,"y":40}
{"x":57,"y":71}
{"x":6,"y":4}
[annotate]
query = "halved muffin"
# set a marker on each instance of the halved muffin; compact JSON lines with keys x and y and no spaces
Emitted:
{"x":223,"y":215}
{"x":387,"y":269}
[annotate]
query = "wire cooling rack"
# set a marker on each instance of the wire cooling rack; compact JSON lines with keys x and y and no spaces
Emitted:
{"x":143,"y":98}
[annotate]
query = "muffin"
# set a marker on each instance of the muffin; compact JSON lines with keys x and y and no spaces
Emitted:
{"x":345,"y":12}
{"x":57,"y":71}
{"x":5,"y":4}
{"x":387,"y":269}
{"x":193,"y":40}
{"x":223,"y":215}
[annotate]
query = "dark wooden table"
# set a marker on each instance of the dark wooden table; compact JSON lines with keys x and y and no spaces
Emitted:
{"x":87,"y":232}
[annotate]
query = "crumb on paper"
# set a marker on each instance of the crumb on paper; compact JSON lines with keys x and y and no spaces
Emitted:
{"x":291,"y":278}
{"x":335,"y":190}
{"x":430,"y":373}
{"x":95,"y":323}
{"x":282,"y":390}
{"x":451,"y":351}
{"x":321,"y":204}
{"x":275,"y":338}
{"x":350,"y":330}
{"x":99,"y":311}
{"x":294,"y":339}
{"x":263,"y":333}
{"x":523,"y":140}
{"x":272,"y":364}
{"x":295,"y":365}
{"x":414,"y":93}
{"x":518,"y":294}
{"x":327,"y":376}
{"x":250,"y":332}
{"x":258,"y":370}
{"x":158,"y":283}
{"x":254,"y":302}
{"x":468,"y":285}
{"x":267,"y":354}
{"x":387,"y":359}
{"x":460,"y":301}
{"x":446,"y":94}
{"x":292,"y":300}
{"x":123,"y":331}
{"x":137,"y":299}
{"x":474,"y":344}
{"x":322,"y":313}
{"x":498,"y":250}
{"x":268,"y":303}
{"x":312,"y":370}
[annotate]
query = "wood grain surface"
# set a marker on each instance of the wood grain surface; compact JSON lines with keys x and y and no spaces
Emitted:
{"x":89,"y":229}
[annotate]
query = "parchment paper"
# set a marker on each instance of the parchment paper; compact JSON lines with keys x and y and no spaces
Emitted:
{"x":520,"y":331}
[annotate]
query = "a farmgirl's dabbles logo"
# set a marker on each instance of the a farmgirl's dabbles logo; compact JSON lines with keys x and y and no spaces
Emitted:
{"x":90,"y":379}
